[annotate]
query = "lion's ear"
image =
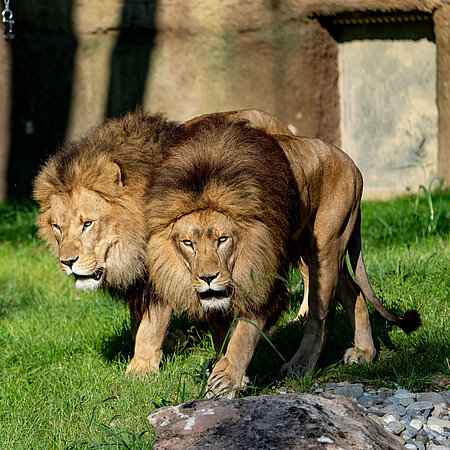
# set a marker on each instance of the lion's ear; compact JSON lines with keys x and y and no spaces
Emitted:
{"x":117,"y":175}
{"x":110,"y":179}
{"x":114,"y":174}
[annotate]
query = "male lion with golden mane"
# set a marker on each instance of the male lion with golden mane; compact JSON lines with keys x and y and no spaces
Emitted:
{"x":92,"y":195}
{"x":231,"y":208}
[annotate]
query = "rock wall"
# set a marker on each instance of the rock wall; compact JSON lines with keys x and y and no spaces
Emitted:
{"x":442,"y":31}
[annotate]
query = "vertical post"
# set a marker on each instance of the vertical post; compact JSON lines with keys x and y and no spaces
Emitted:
{"x":5,"y":113}
{"x":442,"y":33}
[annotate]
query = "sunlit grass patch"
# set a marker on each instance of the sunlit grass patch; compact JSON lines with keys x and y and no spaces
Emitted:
{"x":63,"y":353}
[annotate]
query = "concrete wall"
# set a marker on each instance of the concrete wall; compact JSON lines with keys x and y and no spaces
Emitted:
{"x":389,"y":114}
{"x":74,"y":62}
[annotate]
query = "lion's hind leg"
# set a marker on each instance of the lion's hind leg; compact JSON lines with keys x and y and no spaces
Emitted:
{"x":323,"y":278}
{"x":351,"y":297}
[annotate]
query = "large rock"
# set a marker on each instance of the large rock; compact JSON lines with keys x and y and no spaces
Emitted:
{"x":290,"y":421}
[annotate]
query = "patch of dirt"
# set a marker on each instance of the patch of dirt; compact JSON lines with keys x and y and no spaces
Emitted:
{"x":439,"y":383}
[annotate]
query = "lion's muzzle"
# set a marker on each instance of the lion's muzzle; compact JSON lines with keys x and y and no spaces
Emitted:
{"x":89,"y":282}
{"x":216,"y":299}
{"x":95,"y":276}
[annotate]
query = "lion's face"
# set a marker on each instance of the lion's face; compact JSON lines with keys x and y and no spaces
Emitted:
{"x":207,"y":242}
{"x":81,"y":225}
{"x":96,"y":240}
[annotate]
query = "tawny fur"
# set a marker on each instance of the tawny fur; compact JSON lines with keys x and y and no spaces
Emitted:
{"x":310,"y":218}
{"x":205,"y":172}
{"x":108,"y":174}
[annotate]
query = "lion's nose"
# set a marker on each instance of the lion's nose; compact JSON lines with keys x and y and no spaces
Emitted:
{"x":69,"y":262}
{"x":209,"y":278}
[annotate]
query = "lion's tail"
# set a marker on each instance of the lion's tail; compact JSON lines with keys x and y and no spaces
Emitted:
{"x":411,"y":319}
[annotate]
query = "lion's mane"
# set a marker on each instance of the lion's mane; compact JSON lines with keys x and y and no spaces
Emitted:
{"x":136,"y":144}
{"x":226,"y":167}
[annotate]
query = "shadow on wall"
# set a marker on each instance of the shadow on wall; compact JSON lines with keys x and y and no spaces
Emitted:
{"x":43,"y":55}
{"x":42,"y":69}
{"x":131,"y":57}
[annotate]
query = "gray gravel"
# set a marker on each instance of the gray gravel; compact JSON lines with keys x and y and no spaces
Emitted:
{"x":419,"y":420}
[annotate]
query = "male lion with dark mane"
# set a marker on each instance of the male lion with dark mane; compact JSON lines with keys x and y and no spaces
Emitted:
{"x":226,"y":216}
{"x":256,"y":203}
{"x":219,"y":224}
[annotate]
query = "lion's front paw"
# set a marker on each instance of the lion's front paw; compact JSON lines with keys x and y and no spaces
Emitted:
{"x":138,"y":366}
{"x":356,"y":356}
{"x":219,"y":385}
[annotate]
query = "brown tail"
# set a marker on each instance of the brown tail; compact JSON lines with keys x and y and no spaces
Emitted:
{"x":411,"y":319}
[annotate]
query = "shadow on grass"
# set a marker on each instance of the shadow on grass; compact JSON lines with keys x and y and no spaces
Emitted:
{"x":119,"y":345}
{"x":407,"y":367}
{"x":264,"y":370}
{"x":17,"y":217}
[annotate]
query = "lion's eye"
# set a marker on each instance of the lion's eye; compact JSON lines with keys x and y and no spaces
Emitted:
{"x":56,"y":226}
{"x":187,"y":243}
{"x":222,"y":239}
{"x":87,"y":224}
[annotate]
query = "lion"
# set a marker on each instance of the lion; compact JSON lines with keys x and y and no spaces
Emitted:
{"x":231,"y":209}
{"x":92,"y":195}
{"x":219,"y":225}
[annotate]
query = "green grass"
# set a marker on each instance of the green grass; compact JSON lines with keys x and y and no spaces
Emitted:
{"x":63,"y":352}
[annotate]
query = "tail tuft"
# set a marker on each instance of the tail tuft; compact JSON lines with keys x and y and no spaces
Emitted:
{"x":410,"y":322}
